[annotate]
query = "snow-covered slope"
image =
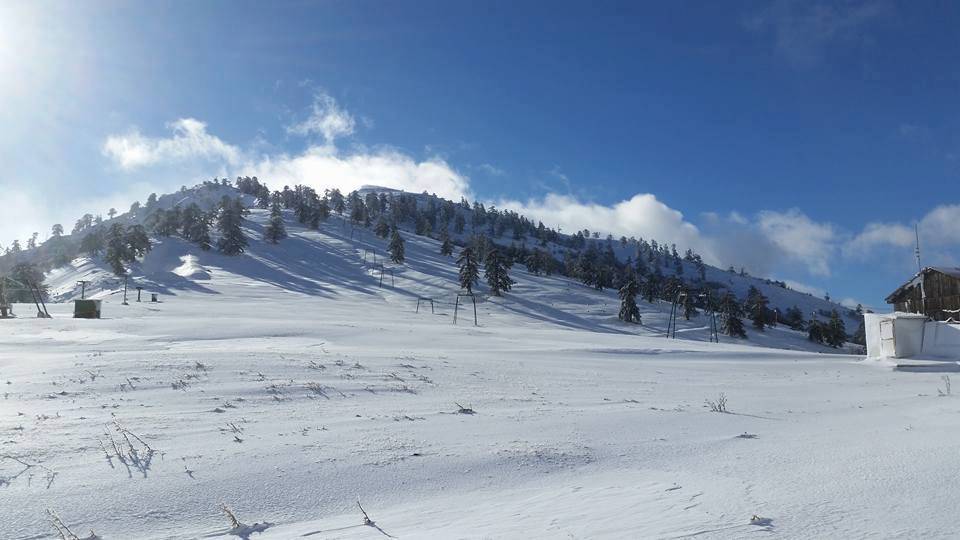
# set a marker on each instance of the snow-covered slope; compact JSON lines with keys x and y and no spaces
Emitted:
{"x":288,"y":384}
{"x":340,"y":256}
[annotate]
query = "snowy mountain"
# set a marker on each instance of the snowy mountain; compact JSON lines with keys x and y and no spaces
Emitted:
{"x":342,"y":255}
{"x":156,"y":269}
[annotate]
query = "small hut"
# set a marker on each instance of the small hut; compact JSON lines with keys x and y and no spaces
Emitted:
{"x":934,"y":292}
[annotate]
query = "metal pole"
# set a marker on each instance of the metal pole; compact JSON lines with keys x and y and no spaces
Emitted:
{"x":475,"y":322}
{"x":125,"y":291}
{"x":456,"y":307}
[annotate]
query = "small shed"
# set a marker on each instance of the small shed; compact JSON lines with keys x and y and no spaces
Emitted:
{"x":934,"y":292}
{"x":86,"y":309}
{"x":894,"y":335}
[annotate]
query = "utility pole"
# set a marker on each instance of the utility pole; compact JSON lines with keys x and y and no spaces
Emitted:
{"x":83,"y":289}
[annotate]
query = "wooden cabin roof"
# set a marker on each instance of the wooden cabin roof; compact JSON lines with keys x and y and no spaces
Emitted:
{"x":951,"y":271}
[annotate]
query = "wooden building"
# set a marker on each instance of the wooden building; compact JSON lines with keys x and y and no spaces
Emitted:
{"x":934,"y":292}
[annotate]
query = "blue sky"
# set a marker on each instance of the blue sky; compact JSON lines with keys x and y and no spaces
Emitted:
{"x":802,"y":140}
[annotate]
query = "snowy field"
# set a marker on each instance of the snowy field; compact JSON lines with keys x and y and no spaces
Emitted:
{"x":289,"y":388}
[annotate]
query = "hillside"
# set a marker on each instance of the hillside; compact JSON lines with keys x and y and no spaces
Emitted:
{"x":157,"y":272}
{"x":340,"y":256}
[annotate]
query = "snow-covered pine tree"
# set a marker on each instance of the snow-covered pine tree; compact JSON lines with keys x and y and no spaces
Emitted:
{"x":232,"y":240}
{"x":446,"y":247}
{"x":275,"y":229}
{"x":396,"y":247}
{"x":496,"y":272}
{"x":732,"y":311}
{"x":629,"y":312}
{"x":469,"y":271}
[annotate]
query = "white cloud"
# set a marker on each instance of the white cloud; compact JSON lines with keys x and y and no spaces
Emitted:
{"x":326,"y":119}
{"x":939,"y":233}
{"x":191,"y":149}
{"x":323,"y":167}
{"x":941,"y":226}
{"x":802,"y":239}
{"x":189,"y":141}
{"x":641,"y":215}
{"x":879,"y":234}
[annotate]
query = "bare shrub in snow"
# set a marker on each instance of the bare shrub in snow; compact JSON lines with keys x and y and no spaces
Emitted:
{"x":128,"y":448}
{"x":64,"y":532}
{"x":25,"y":468}
{"x":718,"y":405}
{"x":371,"y":523}
{"x":238,"y":528}
{"x":945,"y":391}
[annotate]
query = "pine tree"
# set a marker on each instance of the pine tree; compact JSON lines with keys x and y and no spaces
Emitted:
{"x":232,"y":240}
{"x":382,"y":229}
{"x":446,"y":248}
{"x":816,"y":332}
{"x":535,"y":261}
{"x":275,"y":230}
{"x":793,"y":318}
{"x":629,"y":312}
{"x":757,"y":308}
{"x":116,"y":254}
{"x":836,"y":334}
{"x":196,"y":226}
{"x":124,"y":245}
{"x":57,"y":230}
{"x":496,"y":272}
{"x":91,"y":244}
{"x":396,"y":247}
{"x":732,"y":311}
{"x":138,"y":243}
{"x":469,"y":271}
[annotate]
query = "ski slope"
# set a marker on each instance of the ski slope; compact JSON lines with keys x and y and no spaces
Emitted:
{"x":288,"y":385}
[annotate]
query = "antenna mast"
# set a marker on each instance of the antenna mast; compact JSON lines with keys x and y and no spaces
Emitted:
{"x":916,"y":251}
{"x":923,"y":292}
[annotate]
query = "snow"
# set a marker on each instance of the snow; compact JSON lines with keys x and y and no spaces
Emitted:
{"x":287,"y":385}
